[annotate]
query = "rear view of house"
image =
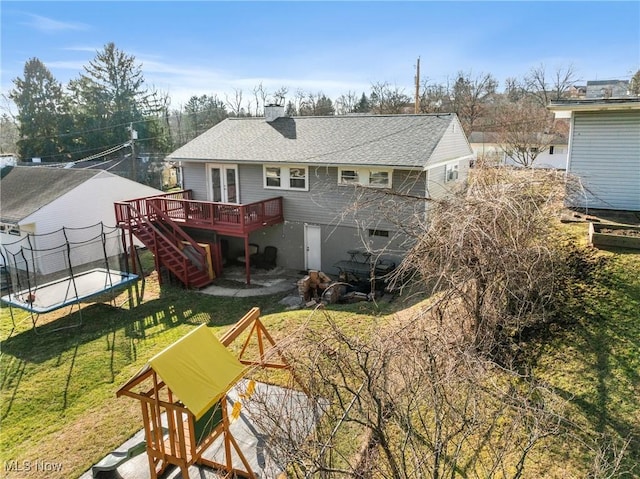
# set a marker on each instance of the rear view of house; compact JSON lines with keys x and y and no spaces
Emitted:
{"x":321,"y":178}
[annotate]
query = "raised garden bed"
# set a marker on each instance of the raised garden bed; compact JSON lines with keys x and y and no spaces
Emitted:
{"x":614,"y":236}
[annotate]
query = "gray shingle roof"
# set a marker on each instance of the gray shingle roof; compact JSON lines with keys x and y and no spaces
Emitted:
{"x":394,"y":140}
{"x":24,"y":190}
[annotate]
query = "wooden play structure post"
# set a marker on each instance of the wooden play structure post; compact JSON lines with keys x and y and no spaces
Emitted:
{"x":193,"y":422}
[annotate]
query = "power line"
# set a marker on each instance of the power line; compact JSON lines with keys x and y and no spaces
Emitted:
{"x":97,"y":155}
{"x":149,"y":138}
{"x":82,"y":132}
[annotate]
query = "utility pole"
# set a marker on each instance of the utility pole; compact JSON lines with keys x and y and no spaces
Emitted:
{"x":417,"y":104}
{"x":134,"y":137}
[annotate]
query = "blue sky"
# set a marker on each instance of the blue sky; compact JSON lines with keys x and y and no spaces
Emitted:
{"x":193,"y":48}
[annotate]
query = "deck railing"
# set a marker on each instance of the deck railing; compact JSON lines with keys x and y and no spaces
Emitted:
{"x":127,"y":215}
{"x":223,"y":217}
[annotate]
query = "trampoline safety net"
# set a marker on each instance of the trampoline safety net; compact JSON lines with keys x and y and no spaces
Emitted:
{"x":49,"y":271}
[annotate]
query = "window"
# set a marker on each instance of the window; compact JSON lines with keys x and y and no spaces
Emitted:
{"x":551,"y":150}
{"x":298,"y":178}
{"x":451,"y":172}
{"x":378,"y":178}
{"x":381,"y":233}
{"x":286,"y":177}
{"x":349,"y":176}
{"x":272,"y":177}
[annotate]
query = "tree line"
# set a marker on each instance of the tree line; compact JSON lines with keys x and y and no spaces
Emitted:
{"x":102,"y":108}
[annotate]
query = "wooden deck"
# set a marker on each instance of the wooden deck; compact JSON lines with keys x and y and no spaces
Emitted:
{"x":224,"y":218}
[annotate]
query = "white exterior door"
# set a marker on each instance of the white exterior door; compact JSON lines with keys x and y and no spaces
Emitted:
{"x":313,"y":247}
{"x":223,"y":183}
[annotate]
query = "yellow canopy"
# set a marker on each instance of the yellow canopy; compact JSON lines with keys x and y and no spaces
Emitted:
{"x":198,"y":369}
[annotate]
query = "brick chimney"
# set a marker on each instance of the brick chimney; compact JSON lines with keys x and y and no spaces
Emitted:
{"x":273,"y":112}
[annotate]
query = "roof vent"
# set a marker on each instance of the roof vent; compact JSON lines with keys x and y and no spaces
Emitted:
{"x":273,"y":112}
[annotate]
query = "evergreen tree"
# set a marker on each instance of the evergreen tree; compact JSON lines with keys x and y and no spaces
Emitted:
{"x":204,"y":112}
{"x":111,"y":100}
{"x":108,"y":98}
{"x":324,"y":106}
{"x":291,"y":109}
{"x":43,"y":116}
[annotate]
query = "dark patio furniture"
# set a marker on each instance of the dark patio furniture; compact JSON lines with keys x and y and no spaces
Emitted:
{"x":266,"y":259}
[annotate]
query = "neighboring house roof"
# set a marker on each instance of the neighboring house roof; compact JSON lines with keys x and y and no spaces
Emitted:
{"x":96,"y":164}
{"x":492,"y":137}
{"x":376,"y":140}
{"x":24,"y":190}
{"x":594,"y":104}
{"x":484,"y":137}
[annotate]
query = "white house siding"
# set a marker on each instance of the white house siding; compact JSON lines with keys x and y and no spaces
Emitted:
{"x":88,"y":204}
{"x":556,"y":160}
{"x":453,"y":144}
{"x":487,"y":151}
{"x":546,"y":159}
{"x":598,"y":136}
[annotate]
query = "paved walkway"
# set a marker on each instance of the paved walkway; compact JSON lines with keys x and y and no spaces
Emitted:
{"x":263,"y":282}
{"x":294,"y":413}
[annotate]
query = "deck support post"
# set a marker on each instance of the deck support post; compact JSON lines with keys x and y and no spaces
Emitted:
{"x":247,"y":259}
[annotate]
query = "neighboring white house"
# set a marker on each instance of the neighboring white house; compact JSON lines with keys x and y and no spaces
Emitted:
{"x":607,"y":89}
{"x":486,"y":145}
{"x":42,"y":200}
{"x":604,"y":151}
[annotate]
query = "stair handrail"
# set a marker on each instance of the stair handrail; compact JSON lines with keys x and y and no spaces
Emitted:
{"x":143,"y":219}
{"x":201,"y":252}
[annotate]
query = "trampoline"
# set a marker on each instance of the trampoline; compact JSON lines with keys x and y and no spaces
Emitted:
{"x":66,"y":267}
{"x":67,"y":291}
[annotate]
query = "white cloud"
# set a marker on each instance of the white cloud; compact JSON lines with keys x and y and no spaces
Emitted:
{"x":49,"y":25}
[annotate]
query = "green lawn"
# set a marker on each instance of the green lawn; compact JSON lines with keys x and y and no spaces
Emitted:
{"x":594,"y":364}
{"x":58,"y":399}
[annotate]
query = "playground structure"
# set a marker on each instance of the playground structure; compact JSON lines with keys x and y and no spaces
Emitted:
{"x":65,"y":268}
{"x":192,"y":392}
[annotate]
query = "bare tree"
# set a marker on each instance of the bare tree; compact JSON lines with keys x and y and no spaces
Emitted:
{"x":435,"y":98}
{"x":347,"y":103}
{"x":432,"y":392}
{"x":469,"y":97}
{"x":405,"y":400}
{"x":298,"y":100}
{"x":235,"y":103}
{"x":259,"y":93}
{"x":492,"y":247}
{"x":525,"y":130}
{"x":514,"y":91}
{"x":545,"y":87}
{"x":280,"y":94}
{"x":387,"y":99}
{"x":634,"y":84}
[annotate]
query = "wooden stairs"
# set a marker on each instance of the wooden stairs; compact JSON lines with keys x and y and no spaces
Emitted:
{"x":173,"y":249}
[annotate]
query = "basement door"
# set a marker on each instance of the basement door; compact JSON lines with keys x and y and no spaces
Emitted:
{"x":223,"y":183}
{"x":312,"y":247}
